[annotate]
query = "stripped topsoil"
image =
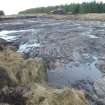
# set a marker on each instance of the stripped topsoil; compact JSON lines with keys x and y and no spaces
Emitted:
{"x":73,"y":55}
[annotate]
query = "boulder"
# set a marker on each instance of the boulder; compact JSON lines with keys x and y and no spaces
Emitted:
{"x":15,"y":70}
{"x":40,"y":95}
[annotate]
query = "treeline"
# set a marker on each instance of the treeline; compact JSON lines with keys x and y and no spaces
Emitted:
{"x":85,"y":7}
{"x":89,"y":7}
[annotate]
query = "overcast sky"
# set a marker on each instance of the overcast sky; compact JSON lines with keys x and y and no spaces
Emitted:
{"x":14,"y":6}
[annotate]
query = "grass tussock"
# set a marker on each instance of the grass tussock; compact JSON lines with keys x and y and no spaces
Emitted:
{"x":14,"y":70}
{"x":44,"y":96}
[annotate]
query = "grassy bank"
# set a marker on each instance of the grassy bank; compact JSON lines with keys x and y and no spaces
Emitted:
{"x":89,"y":16}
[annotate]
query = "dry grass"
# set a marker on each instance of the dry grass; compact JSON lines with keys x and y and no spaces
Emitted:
{"x":47,"y":96}
{"x":14,"y":70}
{"x":89,"y":16}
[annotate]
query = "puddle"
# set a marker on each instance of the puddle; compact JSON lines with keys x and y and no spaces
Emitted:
{"x":73,"y":72}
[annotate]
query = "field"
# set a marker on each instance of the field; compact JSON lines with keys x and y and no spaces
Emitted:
{"x":89,"y":16}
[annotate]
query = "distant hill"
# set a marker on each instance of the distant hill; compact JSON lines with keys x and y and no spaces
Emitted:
{"x":85,"y":7}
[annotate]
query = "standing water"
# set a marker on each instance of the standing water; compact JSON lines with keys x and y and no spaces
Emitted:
{"x":73,"y":72}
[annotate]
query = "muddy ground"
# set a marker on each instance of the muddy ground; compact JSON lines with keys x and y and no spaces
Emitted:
{"x":74,"y":50}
